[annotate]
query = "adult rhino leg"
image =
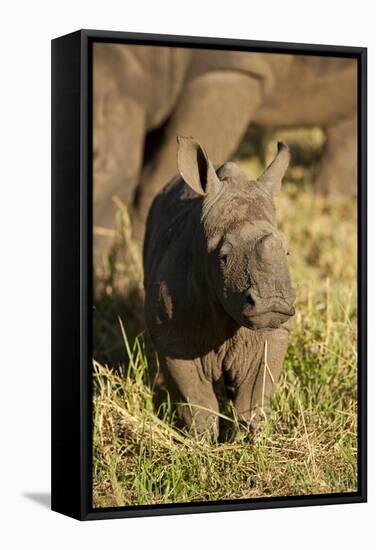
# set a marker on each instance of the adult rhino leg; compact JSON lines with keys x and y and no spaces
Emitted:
{"x":216,"y":109}
{"x":194,"y":396}
{"x":338,"y":172}
{"x":118,"y":138}
{"x":253,"y":397}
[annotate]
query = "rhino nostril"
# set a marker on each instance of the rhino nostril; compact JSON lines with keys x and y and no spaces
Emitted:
{"x":249,"y":299}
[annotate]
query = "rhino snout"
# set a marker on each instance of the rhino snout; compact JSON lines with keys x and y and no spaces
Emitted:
{"x":255,"y":304}
{"x":271,"y":312}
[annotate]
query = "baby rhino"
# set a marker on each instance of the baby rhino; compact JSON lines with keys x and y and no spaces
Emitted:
{"x":218,"y":289}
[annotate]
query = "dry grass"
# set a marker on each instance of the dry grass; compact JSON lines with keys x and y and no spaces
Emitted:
{"x":307,"y":446}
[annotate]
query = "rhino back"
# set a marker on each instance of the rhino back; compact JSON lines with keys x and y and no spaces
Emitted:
{"x":171,"y":295}
{"x":167,"y":224}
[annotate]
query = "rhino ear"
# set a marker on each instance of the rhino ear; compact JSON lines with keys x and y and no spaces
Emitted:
{"x":272,"y":177}
{"x":195,"y":168}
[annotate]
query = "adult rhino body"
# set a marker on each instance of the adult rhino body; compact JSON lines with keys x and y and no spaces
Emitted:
{"x":144,"y":96}
{"x":218,"y":294}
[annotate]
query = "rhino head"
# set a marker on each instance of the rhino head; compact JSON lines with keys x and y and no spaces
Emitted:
{"x":240,"y":252}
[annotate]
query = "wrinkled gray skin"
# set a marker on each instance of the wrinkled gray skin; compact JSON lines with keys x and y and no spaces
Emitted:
{"x":145,"y":96}
{"x":218,"y":294}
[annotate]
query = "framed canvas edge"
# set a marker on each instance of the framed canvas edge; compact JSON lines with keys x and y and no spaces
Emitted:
{"x":66,"y":433}
{"x":222,"y":43}
{"x":86,"y":511}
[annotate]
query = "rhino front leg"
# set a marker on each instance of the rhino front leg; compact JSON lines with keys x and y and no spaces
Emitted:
{"x":194,"y":396}
{"x":338,"y":172}
{"x":253,"y":397}
{"x":118,"y":142}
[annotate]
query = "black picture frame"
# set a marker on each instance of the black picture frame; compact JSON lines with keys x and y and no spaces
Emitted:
{"x":72,"y":273}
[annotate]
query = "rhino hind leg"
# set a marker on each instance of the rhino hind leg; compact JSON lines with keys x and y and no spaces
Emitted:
{"x":194,"y":397}
{"x":338,"y":172}
{"x":253,"y":397}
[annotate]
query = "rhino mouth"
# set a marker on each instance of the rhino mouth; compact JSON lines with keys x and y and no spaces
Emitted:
{"x":267,"y":319}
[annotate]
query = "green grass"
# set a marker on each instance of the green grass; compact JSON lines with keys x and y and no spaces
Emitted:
{"x":308,"y":445}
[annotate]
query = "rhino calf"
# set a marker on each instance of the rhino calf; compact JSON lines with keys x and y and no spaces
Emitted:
{"x":218,"y":293}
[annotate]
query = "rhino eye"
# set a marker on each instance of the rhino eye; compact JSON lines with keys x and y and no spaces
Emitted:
{"x":225,"y":254}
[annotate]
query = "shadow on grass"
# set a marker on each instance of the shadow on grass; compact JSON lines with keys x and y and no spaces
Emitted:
{"x":109,"y":349}
{"x":108,"y":345}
